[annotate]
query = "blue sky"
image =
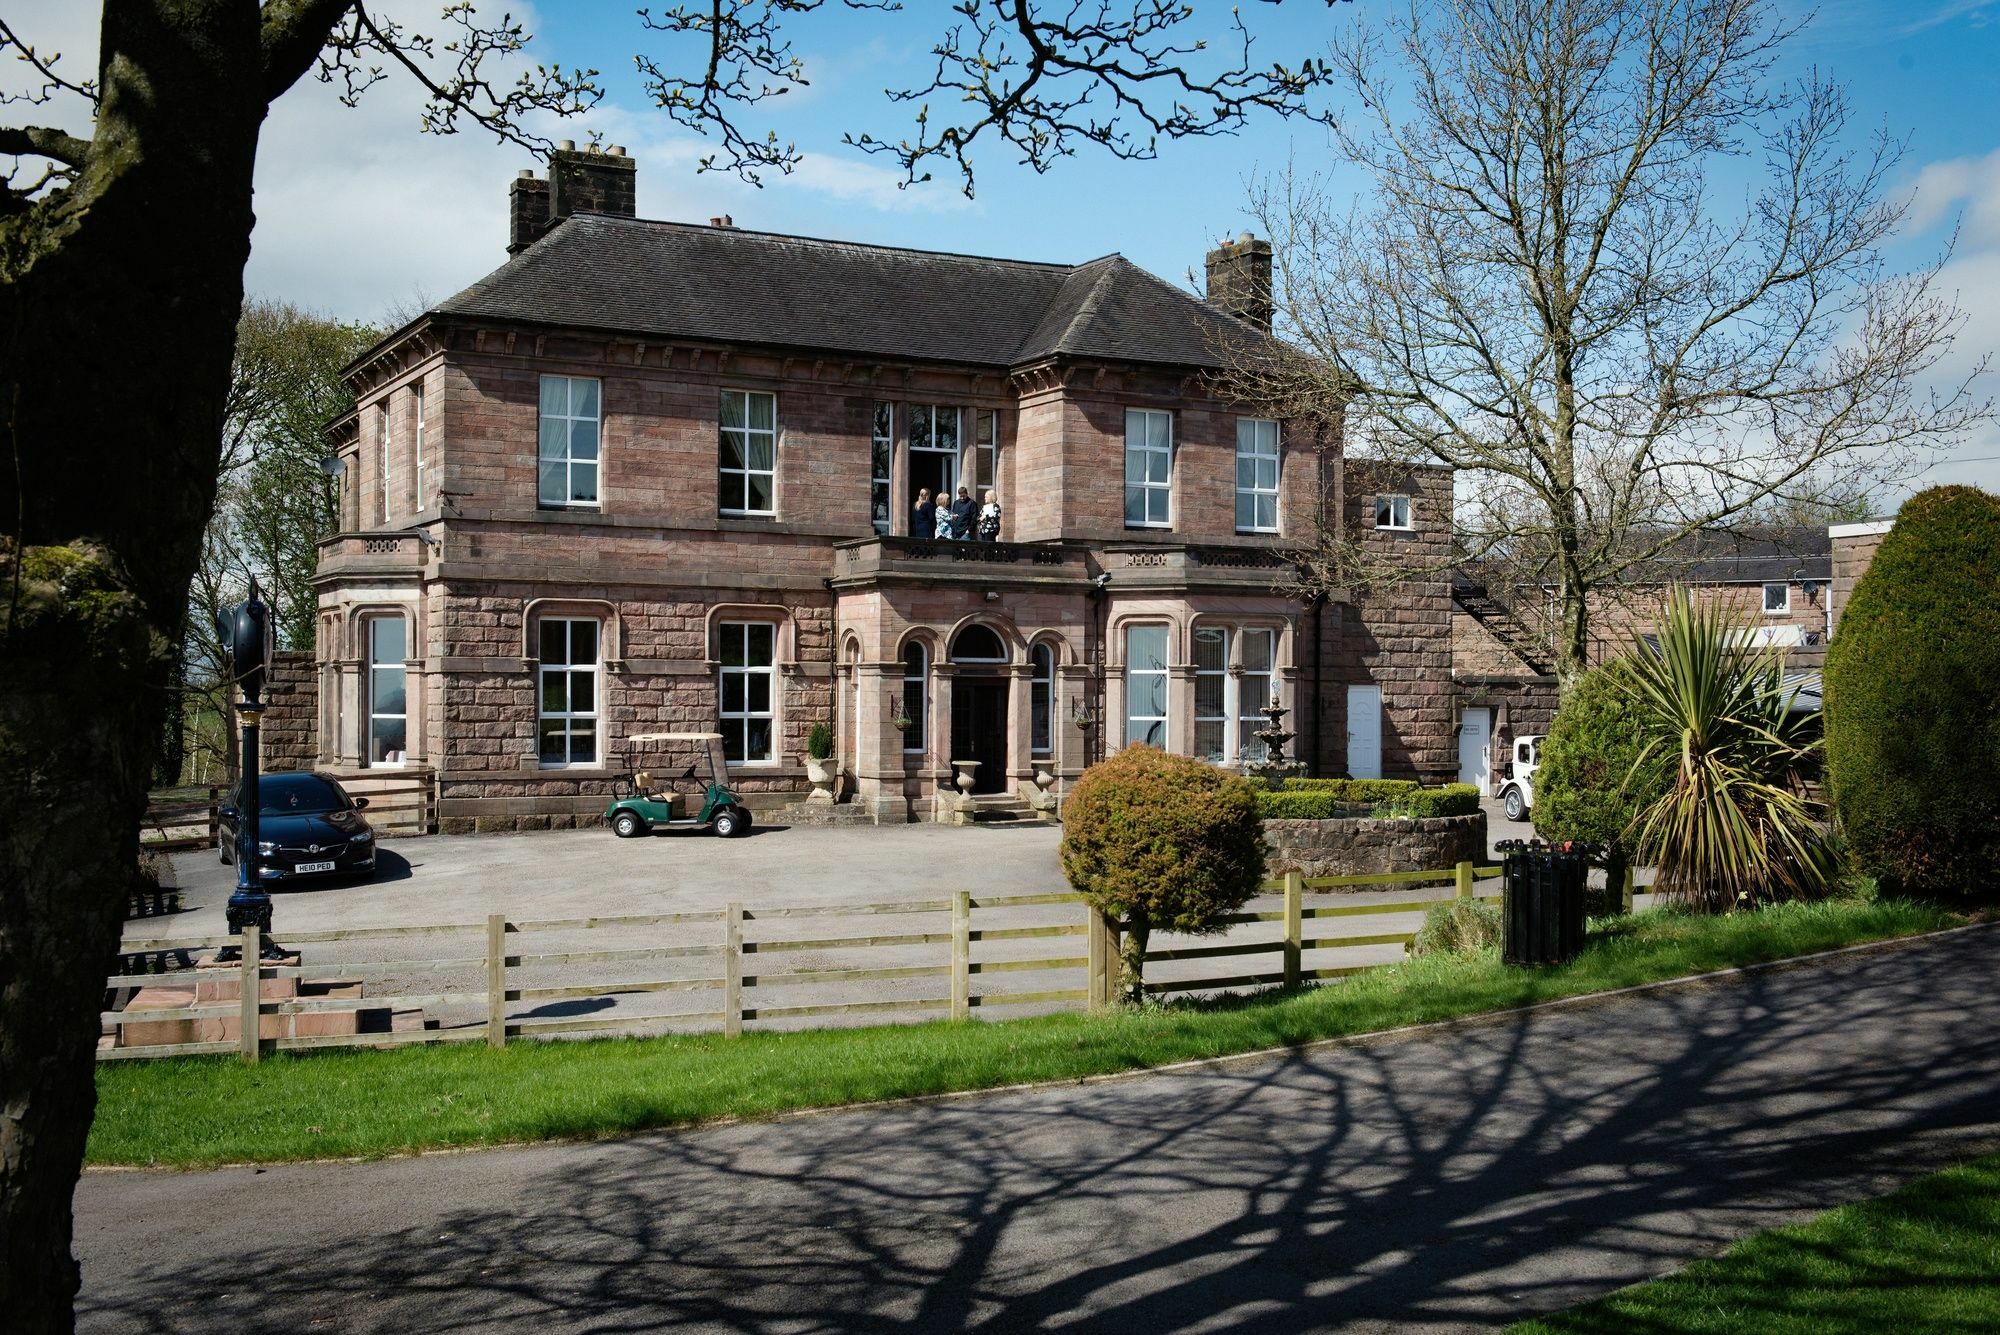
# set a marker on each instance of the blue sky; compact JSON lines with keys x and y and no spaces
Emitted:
{"x":358,"y":212}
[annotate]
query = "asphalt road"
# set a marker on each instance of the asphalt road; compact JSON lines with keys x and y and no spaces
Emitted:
{"x":1456,"y":1178}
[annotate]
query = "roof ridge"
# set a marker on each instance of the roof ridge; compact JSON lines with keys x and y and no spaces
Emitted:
{"x":801,"y":239}
{"x":1086,"y":308}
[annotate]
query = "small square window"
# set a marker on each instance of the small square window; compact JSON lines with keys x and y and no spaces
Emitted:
{"x":1392,"y":511}
{"x":1777,"y":599}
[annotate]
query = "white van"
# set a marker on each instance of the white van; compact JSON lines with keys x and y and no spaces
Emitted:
{"x":1517,"y":788}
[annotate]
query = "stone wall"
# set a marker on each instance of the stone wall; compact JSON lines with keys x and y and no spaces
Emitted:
{"x":1365,"y":845}
{"x":288,"y":737}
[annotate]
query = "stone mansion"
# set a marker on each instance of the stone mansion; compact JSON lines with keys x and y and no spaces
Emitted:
{"x":651,"y":476}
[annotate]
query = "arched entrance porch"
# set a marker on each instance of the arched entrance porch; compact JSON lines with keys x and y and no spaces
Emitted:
{"x":979,"y":705}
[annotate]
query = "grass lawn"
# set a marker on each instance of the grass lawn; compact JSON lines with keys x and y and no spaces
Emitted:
{"x":1926,"y":1259}
{"x":196,"y":1111}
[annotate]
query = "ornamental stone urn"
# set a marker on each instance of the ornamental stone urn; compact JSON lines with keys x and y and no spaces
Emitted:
{"x":964,"y":778}
{"x":823,"y":772}
{"x":1041,"y":799}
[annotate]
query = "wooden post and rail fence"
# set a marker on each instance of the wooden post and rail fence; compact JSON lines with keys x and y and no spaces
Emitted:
{"x":967,"y":947}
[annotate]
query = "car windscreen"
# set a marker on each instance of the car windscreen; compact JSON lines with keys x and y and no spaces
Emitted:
{"x":297,"y":795}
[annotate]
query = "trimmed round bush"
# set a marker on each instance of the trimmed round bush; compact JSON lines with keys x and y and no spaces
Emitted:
{"x":1161,"y":841}
{"x":1913,"y":701}
{"x":1586,"y":790}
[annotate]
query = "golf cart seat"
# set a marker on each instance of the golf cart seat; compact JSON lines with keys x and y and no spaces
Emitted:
{"x":642,"y":783}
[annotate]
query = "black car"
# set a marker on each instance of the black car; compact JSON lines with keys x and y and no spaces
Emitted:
{"x":307,"y":826}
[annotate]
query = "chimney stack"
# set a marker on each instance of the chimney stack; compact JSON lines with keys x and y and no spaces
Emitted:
{"x":579,"y":181}
{"x":1239,"y":279}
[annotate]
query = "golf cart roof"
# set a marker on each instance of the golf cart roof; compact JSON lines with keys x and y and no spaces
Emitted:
{"x":674,"y":737}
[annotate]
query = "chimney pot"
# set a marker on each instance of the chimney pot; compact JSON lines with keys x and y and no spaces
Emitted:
{"x":1239,"y":279}
{"x":1245,"y":239}
{"x":715,"y":220}
{"x":526,"y":173}
{"x":618,"y":150}
{"x":566,"y":145}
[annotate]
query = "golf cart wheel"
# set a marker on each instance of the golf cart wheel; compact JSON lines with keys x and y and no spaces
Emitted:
{"x":730,"y":822}
{"x":627,"y":825}
{"x":1516,"y":808}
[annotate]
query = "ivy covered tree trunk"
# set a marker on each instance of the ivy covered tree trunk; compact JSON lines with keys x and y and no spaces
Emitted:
{"x":1132,"y":957}
{"x":118,"y":303}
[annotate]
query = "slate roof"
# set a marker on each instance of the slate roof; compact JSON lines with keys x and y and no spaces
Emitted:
{"x":1750,"y":555}
{"x":683,"y":280}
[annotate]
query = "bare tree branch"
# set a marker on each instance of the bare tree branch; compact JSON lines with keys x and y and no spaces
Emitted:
{"x":40,"y":141}
{"x":44,"y":67}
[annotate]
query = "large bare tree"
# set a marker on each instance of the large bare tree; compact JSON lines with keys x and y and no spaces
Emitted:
{"x":1617,"y":271}
{"x":122,"y":246}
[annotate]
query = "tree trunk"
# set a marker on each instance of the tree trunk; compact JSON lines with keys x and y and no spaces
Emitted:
{"x":1132,"y":958}
{"x":118,"y":305}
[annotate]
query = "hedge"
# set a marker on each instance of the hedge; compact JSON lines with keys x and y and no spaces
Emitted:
{"x":1454,"y":799}
{"x":1913,"y":701}
{"x":1355,"y":790}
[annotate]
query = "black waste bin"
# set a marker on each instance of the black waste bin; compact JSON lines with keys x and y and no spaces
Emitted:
{"x":1543,"y":893}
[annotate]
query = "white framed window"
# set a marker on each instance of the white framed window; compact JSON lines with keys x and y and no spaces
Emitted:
{"x":749,"y":687}
{"x":748,"y":469}
{"x":1256,"y":475}
{"x":881,"y":459}
{"x":1212,"y":712}
{"x":388,"y":702}
{"x":1146,"y":685}
{"x":1257,"y":649}
{"x":985,"y":455}
{"x":382,"y":436}
{"x":571,"y":417}
{"x":1041,"y":699}
{"x":566,"y":726}
{"x":1777,"y":599}
{"x":916,"y":697}
{"x":1392,"y":511}
{"x":1149,"y":468}
{"x":417,"y":445}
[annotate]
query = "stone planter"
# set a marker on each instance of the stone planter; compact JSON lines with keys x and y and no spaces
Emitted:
{"x":823,"y":774}
{"x":964,"y":777}
{"x":1367,"y":845}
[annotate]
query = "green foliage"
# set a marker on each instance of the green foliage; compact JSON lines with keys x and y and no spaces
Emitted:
{"x":1590,"y":787}
{"x":1160,"y":840}
{"x":819,"y":741}
{"x":1407,"y":800}
{"x":1913,"y":700}
{"x":1355,"y":790}
{"x":1462,"y":927}
{"x":1730,"y":828}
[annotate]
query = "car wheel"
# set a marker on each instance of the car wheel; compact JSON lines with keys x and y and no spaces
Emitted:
{"x":627,"y":825}
{"x":729,"y":823}
{"x":1516,"y":808}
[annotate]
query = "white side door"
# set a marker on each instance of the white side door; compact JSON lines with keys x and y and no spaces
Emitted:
{"x":1364,"y":732}
{"x":1473,"y":731}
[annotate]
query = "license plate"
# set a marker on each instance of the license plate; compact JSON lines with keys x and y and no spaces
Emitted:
{"x":305,"y":867}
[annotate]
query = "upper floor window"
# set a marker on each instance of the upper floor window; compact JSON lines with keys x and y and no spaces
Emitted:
{"x":382,"y":418}
{"x":417,"y":451}
{"x":1146,"y":685}
{"x":749,"y":461}
{"x":1256,"y":475}
{"x":749,"y":678}
{"x":1149,"y":464}
{"x":934,"y":451}
{"x":1392,"y":511}
{"x":985,"y":451}
{"x":566,"y":701}
{"x":570,"y":419}
{"x":1777,"y":598}
{"x":881,"y":460}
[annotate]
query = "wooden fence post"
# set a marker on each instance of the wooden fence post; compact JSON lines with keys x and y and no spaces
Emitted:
{"x":251,"y":995}
{"x":496,"y":980}
{"x":1631,"y":883}
{"x":1465,"y":880}
{"x":1295,"y":888}
{"x":732,"y":972}
{"x":214,"y":817}
{"x":961,"y":954}
{"x":1102,"y":937}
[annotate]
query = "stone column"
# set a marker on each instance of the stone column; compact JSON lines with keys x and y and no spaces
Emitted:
{"x":878,"y":747}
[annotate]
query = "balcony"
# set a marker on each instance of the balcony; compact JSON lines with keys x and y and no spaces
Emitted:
{"x":349,"y":554}
{"x":867,"y":557}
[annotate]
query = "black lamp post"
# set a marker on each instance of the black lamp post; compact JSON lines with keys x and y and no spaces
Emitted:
{"x":244,"y":634}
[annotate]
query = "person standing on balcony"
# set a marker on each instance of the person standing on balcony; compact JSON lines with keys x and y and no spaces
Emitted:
{"x":989,"y":518}
{"x":944,"y":531}
{"x":923,"y":516}
{"x":964,"y":515}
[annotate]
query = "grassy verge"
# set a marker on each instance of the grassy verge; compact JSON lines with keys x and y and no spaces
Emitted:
{"x":1926,"y":1259}
{"x":199,"y":1111}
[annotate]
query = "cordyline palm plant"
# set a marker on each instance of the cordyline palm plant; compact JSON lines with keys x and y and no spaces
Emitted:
{"x":1733,"y":828}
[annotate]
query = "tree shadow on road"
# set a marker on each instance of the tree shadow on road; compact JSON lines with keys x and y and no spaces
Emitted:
{"x":1460,"y":1179}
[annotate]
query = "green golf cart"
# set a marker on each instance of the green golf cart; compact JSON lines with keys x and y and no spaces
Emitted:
{"x":644,"y":801}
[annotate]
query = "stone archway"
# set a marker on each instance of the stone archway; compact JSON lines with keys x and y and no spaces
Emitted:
{"x":981,"y":683}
